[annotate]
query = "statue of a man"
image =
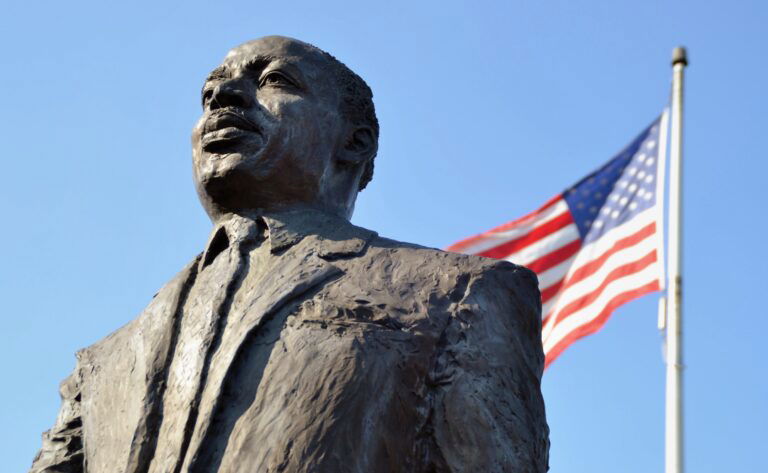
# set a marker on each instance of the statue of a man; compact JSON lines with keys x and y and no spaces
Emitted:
{"x":298,"y":342}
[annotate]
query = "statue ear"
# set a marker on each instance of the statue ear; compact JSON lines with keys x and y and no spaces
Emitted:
{"x":360,"y":146}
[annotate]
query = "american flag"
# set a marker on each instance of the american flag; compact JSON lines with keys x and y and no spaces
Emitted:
{"x":594,"y":247}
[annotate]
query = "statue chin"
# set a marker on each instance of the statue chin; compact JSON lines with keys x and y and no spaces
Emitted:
{"x":233,"y":170}
{"x":227,"y":188}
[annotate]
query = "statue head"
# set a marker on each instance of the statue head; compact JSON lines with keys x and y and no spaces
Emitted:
{"x":285,"y":125}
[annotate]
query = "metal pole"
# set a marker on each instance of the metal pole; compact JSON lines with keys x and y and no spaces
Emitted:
{"x":674,"y":394}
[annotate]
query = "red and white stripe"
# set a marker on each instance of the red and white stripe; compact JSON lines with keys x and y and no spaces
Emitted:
{"x":580,"y":285}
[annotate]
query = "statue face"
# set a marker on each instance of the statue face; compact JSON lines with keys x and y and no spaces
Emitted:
{"x":270,"y":128}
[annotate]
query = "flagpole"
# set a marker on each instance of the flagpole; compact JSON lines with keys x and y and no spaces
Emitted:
{"x":674,"y":392}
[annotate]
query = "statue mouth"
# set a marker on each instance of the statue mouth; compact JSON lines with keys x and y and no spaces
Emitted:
{"x":225,"y":128}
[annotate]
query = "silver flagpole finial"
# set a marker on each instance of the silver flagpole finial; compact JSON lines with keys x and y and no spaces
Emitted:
{"x":679,"y":55}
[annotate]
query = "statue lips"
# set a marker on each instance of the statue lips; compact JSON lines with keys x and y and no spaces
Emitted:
{"x":226,"y":127}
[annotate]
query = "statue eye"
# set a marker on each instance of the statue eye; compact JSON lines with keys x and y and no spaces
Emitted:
{"x":277,"y":79}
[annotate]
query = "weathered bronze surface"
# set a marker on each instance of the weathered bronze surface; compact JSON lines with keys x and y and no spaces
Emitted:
{"x":298,"y":342}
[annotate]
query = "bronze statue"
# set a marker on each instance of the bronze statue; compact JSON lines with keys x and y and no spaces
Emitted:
{"x":298,"y":342}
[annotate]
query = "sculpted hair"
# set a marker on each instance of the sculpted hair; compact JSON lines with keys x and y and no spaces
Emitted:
{"x":356,"y":106}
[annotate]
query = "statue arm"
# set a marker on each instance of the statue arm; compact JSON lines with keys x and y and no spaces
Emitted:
{"x":62,"y":450}
{"x":488,"y":409}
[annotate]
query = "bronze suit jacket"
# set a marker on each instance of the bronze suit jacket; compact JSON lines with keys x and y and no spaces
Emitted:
{"x":354,"y":353}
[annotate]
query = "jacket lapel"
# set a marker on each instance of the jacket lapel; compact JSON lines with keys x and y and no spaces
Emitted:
{"x":297,"y":272}
{"x":158,"y":328}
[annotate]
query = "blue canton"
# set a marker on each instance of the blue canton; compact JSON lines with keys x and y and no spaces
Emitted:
{"x":619,"y":190}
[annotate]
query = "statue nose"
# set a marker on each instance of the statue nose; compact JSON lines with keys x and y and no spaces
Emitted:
{"x":229,"y":94}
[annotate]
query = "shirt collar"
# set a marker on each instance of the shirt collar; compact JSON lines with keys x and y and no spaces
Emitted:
{"x":332,"y":237}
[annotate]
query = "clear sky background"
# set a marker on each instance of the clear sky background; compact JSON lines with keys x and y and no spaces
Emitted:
{"x":487,"y":109}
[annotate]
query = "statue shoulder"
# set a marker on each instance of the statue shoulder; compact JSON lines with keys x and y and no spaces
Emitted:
{"x":154,"y":318}
{"x":431,"y":260}
{"x":486,"y":292}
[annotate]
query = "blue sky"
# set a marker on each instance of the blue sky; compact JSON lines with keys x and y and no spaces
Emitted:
{"x":487,"y":109}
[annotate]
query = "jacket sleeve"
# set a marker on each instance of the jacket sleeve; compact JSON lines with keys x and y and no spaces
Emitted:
{"x":62,"y":450}
{"x":488,"y":411}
